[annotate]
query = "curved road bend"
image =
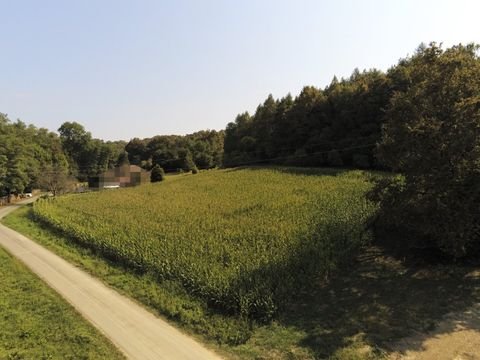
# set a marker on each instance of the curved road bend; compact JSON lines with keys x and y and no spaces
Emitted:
{"x":135,"y":331}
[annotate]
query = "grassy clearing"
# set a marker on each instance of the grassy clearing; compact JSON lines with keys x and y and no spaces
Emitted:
{"x":35,"y":323}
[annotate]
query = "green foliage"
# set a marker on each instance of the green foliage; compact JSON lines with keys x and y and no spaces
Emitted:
{"x":203,"y":149}
{"x":195,"y":170}
{"x":314,"y":325}
{"x":347,"y":115}
{"x":247,"y":253}
{"x":432,"y":137}
{"x":122,"y":159}
{"x":157,"y":174}
{"x":25,"y":153}
{"x":89,"y":157}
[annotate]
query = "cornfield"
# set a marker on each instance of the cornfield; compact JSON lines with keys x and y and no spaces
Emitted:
{"x":244,"y":240}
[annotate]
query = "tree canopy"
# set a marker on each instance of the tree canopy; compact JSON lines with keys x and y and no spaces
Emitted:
{"x":432,"y":137}
{"x":345,"y":117}
{"x":88,"y":156}
{"x":25,"y":154}
{"x":203,"y":149}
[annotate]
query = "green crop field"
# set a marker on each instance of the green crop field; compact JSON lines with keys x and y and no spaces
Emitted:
{"x":244,"y":240}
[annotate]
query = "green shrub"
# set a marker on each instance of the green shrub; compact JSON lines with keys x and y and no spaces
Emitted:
{"x":157,"y":174}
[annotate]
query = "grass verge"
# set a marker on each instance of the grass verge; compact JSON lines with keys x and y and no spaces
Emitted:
{"x":35,"y":323}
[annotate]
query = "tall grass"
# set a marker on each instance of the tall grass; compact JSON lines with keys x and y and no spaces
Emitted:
{"x":244,"y":240}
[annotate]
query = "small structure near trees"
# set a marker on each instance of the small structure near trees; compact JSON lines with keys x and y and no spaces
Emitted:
{"x":121,"y":176}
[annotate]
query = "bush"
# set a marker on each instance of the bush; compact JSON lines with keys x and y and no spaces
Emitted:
{"x":195,"y":170}
{"x":157,"y":174}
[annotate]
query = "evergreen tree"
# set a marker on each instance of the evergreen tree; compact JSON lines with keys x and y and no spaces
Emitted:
{"x":157,"y":174}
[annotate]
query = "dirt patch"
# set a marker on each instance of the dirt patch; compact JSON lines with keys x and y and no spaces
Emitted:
{"x":392,"y":306}
{"x":457,"y":337}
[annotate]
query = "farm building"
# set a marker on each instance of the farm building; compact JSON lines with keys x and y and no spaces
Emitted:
{"x":122,"y":176}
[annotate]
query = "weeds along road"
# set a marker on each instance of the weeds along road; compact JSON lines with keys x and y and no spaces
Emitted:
{"x":135,"y":331}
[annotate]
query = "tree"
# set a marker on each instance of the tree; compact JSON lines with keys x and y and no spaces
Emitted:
{"x":16,"y":177}
{"x":123,"y":159}
{"x":25,"y":153}
{"x":76,"y":144}
{"x":74,"y":138}
{"x":137,"y":151}
{"x":184,"y":160}
{"x":334,"y":158}
{"x":3,"y":170}
{"x":157,"y":174}
{"x":87,"y":156}
{"x":55,"y":179}
{"x":432,"y":137}
{"x":347,"y":114}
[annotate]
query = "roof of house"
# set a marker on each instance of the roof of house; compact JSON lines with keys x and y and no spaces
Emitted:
{"x":135,"y":168}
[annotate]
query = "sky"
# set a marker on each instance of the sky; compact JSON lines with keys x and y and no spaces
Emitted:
{"x":140,"y":68}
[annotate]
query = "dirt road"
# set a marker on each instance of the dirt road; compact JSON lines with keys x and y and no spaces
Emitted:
{"x":135,"y":331}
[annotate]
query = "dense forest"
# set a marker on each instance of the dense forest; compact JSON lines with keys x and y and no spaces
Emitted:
{"x":37,"y":158}
{"x":338,"y":125}
{"x":27,"y":152}
{"x":203,"y":150}
{"x":335,"y":126}
{"x":88,"y":156}
{"x":33,"y":157}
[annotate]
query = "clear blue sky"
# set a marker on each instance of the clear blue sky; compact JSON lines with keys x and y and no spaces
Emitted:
{"x":129,"y":69}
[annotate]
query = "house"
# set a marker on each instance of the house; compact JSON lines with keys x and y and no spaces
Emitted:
{"x":121,"y":176}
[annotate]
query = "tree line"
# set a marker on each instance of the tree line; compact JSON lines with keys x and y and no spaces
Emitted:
{"x":335,"y":126}
{"x":202,"y":150}
{"x":26,"y":153}
{"x":32,"y":157}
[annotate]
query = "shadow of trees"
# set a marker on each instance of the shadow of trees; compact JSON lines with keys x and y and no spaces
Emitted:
{"x":380,"y":300}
